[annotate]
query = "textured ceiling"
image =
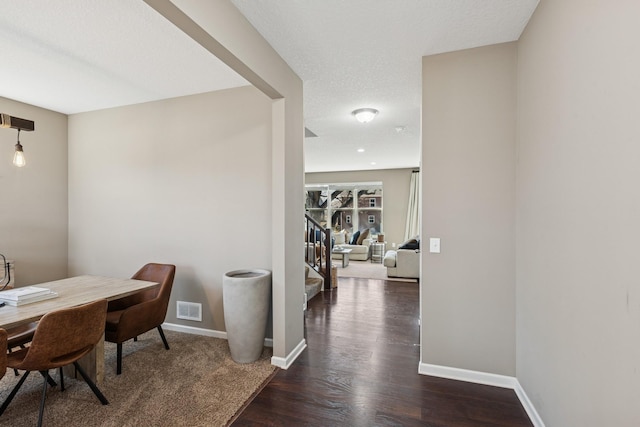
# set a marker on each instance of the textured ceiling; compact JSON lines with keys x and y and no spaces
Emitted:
{"x":81,"y":55}
{"x":368,"y":53}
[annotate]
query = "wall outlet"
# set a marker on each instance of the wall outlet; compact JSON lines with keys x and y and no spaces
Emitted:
{"x":189,"y":311}
{"x":393,"y":245}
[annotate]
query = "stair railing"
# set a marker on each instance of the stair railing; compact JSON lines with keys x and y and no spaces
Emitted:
{"x":317,"y":251}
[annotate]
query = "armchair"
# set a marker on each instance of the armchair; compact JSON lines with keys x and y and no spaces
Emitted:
{"x":61,"y":338}
{"x":136,"y":314}
{"x":403,"y":263}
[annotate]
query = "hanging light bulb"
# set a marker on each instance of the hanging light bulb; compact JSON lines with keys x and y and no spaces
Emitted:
{"x":18,"y":157}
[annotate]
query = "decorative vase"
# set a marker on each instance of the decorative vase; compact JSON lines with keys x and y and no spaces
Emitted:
{"x":246,"y":295}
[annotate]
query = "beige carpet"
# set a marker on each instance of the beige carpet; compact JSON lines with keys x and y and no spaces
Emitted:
{"x":195,"y":383}
{"x":367,"y":270}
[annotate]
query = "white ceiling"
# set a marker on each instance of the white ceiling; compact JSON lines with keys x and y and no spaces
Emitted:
{"x":74,"y":56}
{"x":368,"y":53}
{"x":80,"y":55}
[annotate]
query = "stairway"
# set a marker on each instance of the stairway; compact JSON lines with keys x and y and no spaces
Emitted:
{"x":312,"y":282}
{"x":317,"y":251}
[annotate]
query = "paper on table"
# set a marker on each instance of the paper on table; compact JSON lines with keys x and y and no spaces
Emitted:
{"x":40,"y":297}
{"x":18,"y":294}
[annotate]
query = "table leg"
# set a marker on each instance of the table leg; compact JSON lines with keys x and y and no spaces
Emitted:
{"x":92,"y":363}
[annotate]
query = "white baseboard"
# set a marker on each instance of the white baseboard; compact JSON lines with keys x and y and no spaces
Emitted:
{"x":467,"y":375}
{"x":285,"y":362}
{"x":528,"y":406}
{"x":268,"y":342}
{"x":486,"y":379}
{"x":194,"y":330}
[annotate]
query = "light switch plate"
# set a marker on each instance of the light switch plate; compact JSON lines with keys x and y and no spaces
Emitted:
{"x":434,"y":245}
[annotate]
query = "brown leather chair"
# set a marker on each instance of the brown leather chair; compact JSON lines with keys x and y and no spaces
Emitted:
{"x":136,"y":314}
{"x":19,"y":335}
{"x":3,"y":352}
{"x":62,"y":337}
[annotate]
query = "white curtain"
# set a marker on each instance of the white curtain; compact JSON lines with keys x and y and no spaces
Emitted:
{"x":413,"y":210}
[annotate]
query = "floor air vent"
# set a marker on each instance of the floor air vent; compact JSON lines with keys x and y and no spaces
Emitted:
{"x":189,"y":311}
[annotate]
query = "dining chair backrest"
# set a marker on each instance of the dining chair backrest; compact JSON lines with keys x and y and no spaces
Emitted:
{"x":63,"y":336}
{"x":152,"y":272}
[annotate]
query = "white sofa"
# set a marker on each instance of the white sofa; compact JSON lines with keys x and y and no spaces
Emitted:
{"x":403,"y":263}
{"x":358,"y":252}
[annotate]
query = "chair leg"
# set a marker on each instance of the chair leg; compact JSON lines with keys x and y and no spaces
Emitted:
{"x":47,"y":377}
{"x":61,"y":379}
{"x":91,"y":384}
{"x":164,"y":340}
{"x":13,"y":392}
{"x":45,"y":374}
{"x":15,"y":371}
{"x":119,"y":358}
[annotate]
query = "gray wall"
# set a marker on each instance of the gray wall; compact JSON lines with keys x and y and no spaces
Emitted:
{"x":395,"y":184}
{"x":578,"y":213}
{"x":468,"y":182}
{"x":194,"y":191}
{"x":33,"y":199}
{"x":229,"y":36}
{"x":240,"y":46}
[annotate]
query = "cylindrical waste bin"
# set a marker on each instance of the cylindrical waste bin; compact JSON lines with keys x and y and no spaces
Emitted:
{"x":246,"y":295}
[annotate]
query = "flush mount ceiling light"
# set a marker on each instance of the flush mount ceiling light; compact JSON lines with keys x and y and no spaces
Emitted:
{"x":7,"y":121}
{"x":364,"y":115}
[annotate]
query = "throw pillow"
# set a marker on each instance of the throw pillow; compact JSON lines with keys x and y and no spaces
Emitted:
{"x":410,"y":244}
{"x":339,"y":236}
{"x":363,"y":236}
{"x":318,"y":234}
{"x":354,"y":239}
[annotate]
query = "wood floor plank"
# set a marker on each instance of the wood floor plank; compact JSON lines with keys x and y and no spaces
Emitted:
{"x":360,"y":368}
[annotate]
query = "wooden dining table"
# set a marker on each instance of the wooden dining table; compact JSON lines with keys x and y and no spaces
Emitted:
{"x":72,"y":292}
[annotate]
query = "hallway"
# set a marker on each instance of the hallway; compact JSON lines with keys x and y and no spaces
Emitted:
{"x":361,"y":369}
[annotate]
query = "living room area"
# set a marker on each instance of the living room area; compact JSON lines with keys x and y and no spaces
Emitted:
{"x":366,"y":213}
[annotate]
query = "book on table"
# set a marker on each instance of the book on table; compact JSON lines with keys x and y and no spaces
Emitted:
{"x":26,"y":295}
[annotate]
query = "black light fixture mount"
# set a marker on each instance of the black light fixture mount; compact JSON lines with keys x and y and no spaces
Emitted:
{"x":7,"y":121}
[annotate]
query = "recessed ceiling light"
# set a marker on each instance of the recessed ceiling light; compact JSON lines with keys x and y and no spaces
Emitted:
{"x":364,"y":115}
{"x":360,"y":150}
{"x":373,"y":163}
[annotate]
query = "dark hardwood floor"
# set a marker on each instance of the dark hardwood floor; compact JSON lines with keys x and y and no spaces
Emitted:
{"x":361,"y":369}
